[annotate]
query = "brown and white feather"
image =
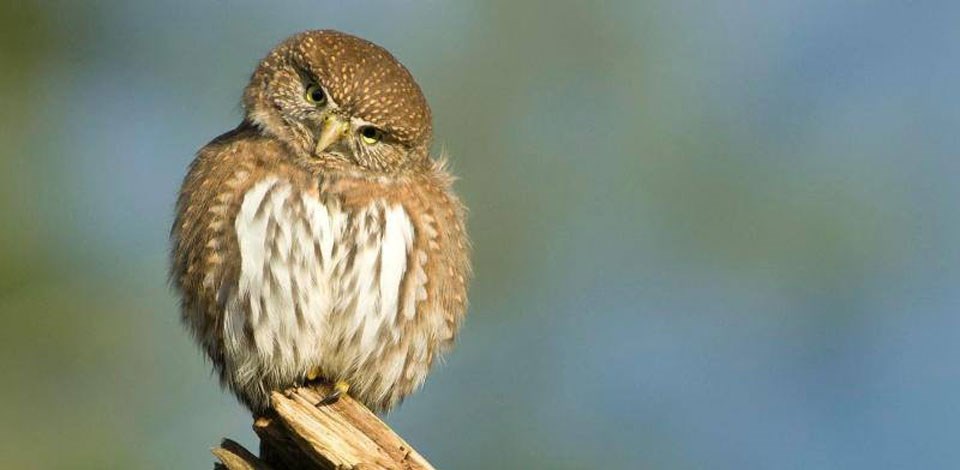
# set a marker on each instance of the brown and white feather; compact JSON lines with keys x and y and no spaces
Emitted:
{"x":287,"y":264}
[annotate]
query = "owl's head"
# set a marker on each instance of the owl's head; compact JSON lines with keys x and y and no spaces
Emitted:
{"x":336,"y":98}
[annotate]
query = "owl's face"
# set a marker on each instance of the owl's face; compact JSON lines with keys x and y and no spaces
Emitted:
{"x":336,"y":99}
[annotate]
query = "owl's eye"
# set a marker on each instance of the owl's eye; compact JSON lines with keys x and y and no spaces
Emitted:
{"x":370,"y":135}
{"x":315,"y":94}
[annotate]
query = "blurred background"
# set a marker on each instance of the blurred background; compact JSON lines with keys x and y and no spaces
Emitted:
{"x":708,"y":234}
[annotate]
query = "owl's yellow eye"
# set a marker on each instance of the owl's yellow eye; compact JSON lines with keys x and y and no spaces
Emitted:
{"x":315,"y":94}
{"x":370,"y":135}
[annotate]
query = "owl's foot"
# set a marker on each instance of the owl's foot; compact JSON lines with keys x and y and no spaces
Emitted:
{"x":339,"y":388}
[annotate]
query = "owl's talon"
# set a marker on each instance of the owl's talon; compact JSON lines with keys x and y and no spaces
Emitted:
{"x":330,"y":398}
{"x":312,"y":374}
{"x":339,"y":388}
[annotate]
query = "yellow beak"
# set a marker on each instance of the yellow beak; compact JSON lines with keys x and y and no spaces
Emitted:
{"x":334,"y":128}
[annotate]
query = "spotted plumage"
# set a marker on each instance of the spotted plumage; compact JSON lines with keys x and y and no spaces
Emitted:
{"x":319,"y":237}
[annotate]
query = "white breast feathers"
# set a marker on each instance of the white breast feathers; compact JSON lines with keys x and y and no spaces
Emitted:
{"x":319,"y":287}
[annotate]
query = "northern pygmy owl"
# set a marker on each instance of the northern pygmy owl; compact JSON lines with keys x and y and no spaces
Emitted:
{"x":319,"y":239}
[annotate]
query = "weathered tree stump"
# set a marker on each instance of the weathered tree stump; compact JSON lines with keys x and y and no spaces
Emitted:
{"x":300,"y":435}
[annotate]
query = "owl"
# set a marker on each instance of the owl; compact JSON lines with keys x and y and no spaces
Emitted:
{"x":318,"y":240}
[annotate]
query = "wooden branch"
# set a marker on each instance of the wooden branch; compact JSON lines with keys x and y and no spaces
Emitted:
{"x":300,"y":435}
